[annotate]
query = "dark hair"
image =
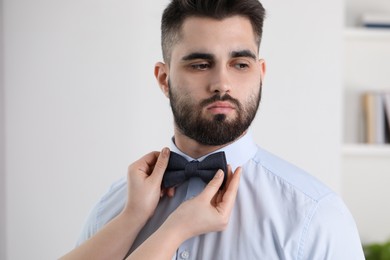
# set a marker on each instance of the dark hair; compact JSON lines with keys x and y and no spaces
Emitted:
{"x":178,"y":10}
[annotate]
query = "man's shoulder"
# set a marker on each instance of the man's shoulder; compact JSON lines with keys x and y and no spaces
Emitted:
{"x":290,"y":175}
{"x":113,"y":201}
{"x":107,"y":207}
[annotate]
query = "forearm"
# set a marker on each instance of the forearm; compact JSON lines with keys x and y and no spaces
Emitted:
{"x":162,"y":244}
{"x":112,"y":241}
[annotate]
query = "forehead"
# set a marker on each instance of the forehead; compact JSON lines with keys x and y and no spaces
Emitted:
{"x":212,"y":35}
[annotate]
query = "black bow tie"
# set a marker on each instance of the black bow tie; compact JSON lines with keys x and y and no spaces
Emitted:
{"x":179,"y":169}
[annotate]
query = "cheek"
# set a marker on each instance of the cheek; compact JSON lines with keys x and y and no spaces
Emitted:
{"x":190,"y":89}
{"x":248,"y":94}
{"x":243,"y":91}
{"x":246,"y":81}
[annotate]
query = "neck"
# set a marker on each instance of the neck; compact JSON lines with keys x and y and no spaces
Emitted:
{"x":193,"y":148}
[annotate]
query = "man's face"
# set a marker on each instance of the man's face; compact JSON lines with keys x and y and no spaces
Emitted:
{"x":214,"y":79}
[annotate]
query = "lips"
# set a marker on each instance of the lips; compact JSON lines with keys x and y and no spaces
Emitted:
{"x":220,"y":107}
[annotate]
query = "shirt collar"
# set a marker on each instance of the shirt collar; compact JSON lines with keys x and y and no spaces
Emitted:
{"x":237,"y":153}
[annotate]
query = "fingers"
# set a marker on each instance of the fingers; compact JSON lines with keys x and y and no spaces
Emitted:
{"x":153,"y":162}
{"x":160,"y":166}
{"x":171,"y":192}
{"x":146,"y":163}
{"x":213,"y":186}
{"x":230,"y":194}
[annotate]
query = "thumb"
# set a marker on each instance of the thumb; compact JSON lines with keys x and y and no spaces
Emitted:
{"x":213,"y":186}
{"x":160,"y":166}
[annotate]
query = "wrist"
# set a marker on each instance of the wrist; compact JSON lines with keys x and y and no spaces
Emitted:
{"x":178,"y":227}
{"x":131,"y":218}
{"x":175,"y":231}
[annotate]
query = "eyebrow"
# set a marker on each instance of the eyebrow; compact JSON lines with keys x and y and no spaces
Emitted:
{"x":209,"y":56}
{"x":243,"y":53}
{"x":198,"y":55}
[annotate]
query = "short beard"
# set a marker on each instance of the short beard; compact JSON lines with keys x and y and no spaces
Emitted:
{"x":219,"y":130}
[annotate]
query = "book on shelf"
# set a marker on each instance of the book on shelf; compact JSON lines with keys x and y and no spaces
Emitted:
{"x":376,"y":20}
{"x":386,"y":98}
{"x":376,"y":114}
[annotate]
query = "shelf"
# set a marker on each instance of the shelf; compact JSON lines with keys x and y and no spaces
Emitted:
{"x":366,"y":150}
{"x":362,"y":32}
{"x":366,"y":68}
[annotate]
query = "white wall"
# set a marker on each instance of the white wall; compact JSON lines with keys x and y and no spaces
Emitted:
{"x":2,"y":146}
{"x":81,"y":104}
{"x":369,"y":205}
{"x":300,"y":114}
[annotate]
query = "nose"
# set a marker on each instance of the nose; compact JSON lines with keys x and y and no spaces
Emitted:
{"x":220,"y":81}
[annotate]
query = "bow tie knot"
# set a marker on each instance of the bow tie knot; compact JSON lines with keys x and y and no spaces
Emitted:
{"x":191,"y":169}
{"x":180,"y":170}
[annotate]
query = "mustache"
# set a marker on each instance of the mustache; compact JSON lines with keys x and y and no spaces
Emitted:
{"x":219,"y":97}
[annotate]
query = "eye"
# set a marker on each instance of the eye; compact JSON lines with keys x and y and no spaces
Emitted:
{"x":200,"y":66}
{"x":241,"y":65}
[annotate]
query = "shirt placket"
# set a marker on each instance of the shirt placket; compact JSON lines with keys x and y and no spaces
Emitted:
{"x":195,"y":186}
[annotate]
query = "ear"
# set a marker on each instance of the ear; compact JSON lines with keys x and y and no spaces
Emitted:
{"x":262,"y":68}
{"x":161,"y":72}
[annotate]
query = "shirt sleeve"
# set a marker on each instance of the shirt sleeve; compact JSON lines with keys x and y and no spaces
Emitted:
{"x":109,"y":206}
{"x":330,"y":233}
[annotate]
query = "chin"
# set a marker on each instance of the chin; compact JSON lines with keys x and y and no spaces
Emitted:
{"x":224,"y":118}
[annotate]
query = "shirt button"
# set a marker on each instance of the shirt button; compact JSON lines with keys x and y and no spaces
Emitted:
{"x":185,"y":254}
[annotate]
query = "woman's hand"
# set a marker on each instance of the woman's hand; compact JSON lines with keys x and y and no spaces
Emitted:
{"x":144,"y":191}
{"x":144,"y":179}
{"x":210,"y":210}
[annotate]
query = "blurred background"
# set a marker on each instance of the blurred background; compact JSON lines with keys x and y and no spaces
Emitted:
{"x":79,"y":103}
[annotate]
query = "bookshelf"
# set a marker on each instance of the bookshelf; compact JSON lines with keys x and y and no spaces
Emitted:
{"x":366,"y":150}
{"x":365,"y":167}
{"x":367,"y":63}
{"x":367,"y":33}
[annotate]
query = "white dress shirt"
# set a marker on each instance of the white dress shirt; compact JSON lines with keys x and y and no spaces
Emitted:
{"x":281,"y":212}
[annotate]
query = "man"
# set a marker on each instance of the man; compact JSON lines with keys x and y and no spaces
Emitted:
{"x":212,"y":75}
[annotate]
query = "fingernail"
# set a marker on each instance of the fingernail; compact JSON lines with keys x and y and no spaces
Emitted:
{"x":165,"y":152}
{"x":219,"y":174}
